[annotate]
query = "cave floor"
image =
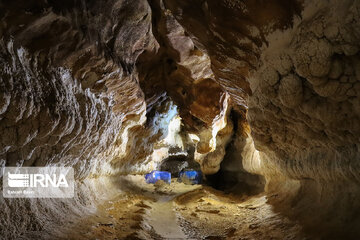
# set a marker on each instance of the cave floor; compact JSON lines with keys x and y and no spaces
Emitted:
{"x":179,"y":211}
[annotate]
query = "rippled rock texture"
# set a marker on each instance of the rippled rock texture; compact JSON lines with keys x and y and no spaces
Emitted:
{"x":75,"y":92}
{"x":303,"y":109}
{"x":92,"y":84}
{"x":63,"y":101}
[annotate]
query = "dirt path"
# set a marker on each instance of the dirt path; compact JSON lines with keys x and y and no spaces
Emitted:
{"x":179,"y":211}
{"x":164,"y":221}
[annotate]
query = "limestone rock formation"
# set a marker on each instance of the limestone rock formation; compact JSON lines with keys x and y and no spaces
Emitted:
{"x":269,"y":88}
{"x":303,"y":110}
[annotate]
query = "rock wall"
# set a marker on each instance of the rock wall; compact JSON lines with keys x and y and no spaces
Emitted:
{"x":68,"y":83}
{"x":304,"y":111}
{"x":82,"y":81}
{"x":303,"y":102}
{"x":83,"y":84}
{"x":70,"y":96}
{"x":232,"y":33}
{"x":186,"y":76}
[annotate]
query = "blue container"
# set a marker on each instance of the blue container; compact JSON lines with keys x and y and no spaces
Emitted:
{"x":190,"y":177}
{"x":155,"y":176}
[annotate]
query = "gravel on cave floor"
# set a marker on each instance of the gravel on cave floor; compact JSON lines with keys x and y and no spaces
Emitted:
{"x":179,"y":211}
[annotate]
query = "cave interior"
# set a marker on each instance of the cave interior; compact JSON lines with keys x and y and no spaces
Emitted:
{"x":261,"y":97}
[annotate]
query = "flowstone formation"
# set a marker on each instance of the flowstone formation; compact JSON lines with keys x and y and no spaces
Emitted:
{"x":303,"y":109}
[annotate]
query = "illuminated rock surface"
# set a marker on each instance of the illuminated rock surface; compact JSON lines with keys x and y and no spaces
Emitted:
{"x":263,"y":95}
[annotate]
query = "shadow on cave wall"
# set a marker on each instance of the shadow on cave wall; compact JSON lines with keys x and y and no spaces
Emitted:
{"x":232,"y":178}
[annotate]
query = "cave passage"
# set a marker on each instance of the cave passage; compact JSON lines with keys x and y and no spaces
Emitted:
{"x":260,"y":97}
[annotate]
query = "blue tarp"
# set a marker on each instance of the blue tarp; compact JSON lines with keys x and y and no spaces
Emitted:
{"x":155,"y":176}
{"x":190,"y":177}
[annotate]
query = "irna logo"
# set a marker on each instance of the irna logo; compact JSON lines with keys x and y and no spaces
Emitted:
{"x":38,"y":182}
